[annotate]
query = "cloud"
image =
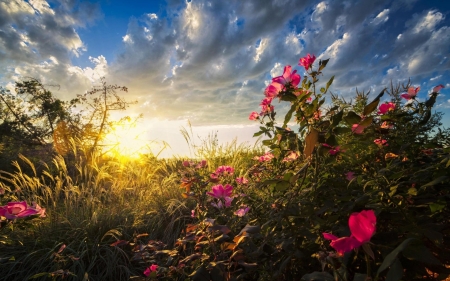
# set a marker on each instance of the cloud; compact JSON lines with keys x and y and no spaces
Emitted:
{"x":209,"y":61}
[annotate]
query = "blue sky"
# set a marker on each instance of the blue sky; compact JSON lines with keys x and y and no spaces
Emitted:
{"x":209,"y":61}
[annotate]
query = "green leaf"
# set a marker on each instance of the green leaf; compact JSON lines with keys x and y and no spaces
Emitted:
{"x":322,"y":64}
{"x":258,"y":134}
{"x":417,"y":251}
{"x":329,"y":83}
{"x":200,"y":274}
{"x":352,"y":118}
{"x":366,"y":122}
{"x":435,"y":181}
{"x":392,"y":256}
{"x":373,"y":105}
{"x":395,"y":273}
{"x":336,"y":119}
{"x":360,"y":277}
{"x":282,"y":186}
{"x":318,"y":276}
{"x":412,"y":191}
{"x":288,"y":116}
{"x":39,"y":275}
{"x":436,"y":207}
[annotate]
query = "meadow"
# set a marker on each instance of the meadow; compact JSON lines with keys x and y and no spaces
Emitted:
{"x":336,"y":190}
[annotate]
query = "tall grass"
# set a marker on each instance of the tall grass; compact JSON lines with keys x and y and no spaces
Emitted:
{"x":92,"y":201}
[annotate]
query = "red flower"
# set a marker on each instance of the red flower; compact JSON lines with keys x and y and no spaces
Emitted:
{"x":362,"y":227}
{"x":307,"y":61}
{"x":288,"y":77}
{"x":386,"y":107}
{"x":411,"y":94}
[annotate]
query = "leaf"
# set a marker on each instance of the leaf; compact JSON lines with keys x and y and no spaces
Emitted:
{"x":366,"y":122}
{"x":373,"y":105}
{"x":360,"y":277}
{"x":39,"y":275}
{"x":392,"y":256}
{"x":395,"y":273}
{"x":200,"y":274}
{"x":352,"y":118}
{"x":322,"y":64}
{"x":417,"y":251}
{"x":412,"y":191}
{"x":257,"y":134}
{"x":368,"y":250}
{"x":288,"y":116}
{"x":318,"y":276}
{"x":336,"y":119}
{"x":310,"y":142}
{"x":435,"y":181}
{"x":329,"y":83}
{"x":251,"y":229}
{"x":222,"y":228}
{"x":282,"y":186}
{"x":435,"y":207}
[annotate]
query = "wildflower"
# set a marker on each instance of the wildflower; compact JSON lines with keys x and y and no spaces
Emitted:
{"x":411,"y":93}
{"x":253,"y":116}
{"x":333,"y":149}
{"x":186,"y":163}
{"x":219,"y":191}
{"x":438,"y":88}
{"x":389,"y":156}
{"x":386,"y":125}
{"x":242,"y":211}
{"x":350,"y":175}
{"x":288,"y":77}
{"x":362,"y":228}
{"x":291,"y":156}
{"x":202,"y":164}
{"x":386,"y":107}
{"x":241,"y":180}
{"x":192,"y":213}
{"x":264,"y":158}
{"x":227,"y":200}
{"x":224,"y":170}
{"x":150,"y":269}
{"x":273,"y":89}
{"x":380,"y":142}
{"x":307,"y":61}
{"x":14,"y":210}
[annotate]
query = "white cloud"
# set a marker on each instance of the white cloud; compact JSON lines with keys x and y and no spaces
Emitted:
{"x":381,"y":17}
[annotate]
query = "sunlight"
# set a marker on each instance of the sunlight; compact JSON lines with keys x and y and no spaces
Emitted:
{"x":127,"y":140}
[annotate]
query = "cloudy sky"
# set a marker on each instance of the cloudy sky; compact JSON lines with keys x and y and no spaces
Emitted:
{"x":209,"y":61}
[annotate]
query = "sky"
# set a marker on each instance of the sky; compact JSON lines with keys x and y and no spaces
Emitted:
{"x":208,"y":62}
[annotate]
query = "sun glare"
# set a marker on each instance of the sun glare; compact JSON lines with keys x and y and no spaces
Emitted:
{"x":127,"y":141}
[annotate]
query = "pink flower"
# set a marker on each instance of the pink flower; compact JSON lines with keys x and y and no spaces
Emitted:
{"x":253,"y":116}
{"x":412,"y":93}
{"x":362,"y":228}
{"x":385,"y":107}
{"x":40,"y":211}
{"x":350,"y":175}
{"x":333,"y":149}
{"x":358,"y":129}
{"x":220,"y":205}
{"x":150,"y":269}
{"x":241,"y":180}
{"x":380,"y":142}
{"x":219,"y":191}
{"x":386,"y":125}
{"x":438,"y":88}
{"x":202,"y":164}
{"x":14,"y":210}
{"x":288,"y":78}
{"x":264,"y":158}
{"x":192,"y":213}
{"x":224,"y":170}
{"x":291,"y":156}
{"x":242,"y":211}
{"x":273,"y":89}
{"x":186,"y":163}
{"x":307,"y":61}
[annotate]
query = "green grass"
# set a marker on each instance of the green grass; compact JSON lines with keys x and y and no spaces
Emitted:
{"x":93,"y":201}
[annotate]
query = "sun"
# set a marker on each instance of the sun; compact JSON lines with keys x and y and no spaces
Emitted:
{"x":126,"y":140}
